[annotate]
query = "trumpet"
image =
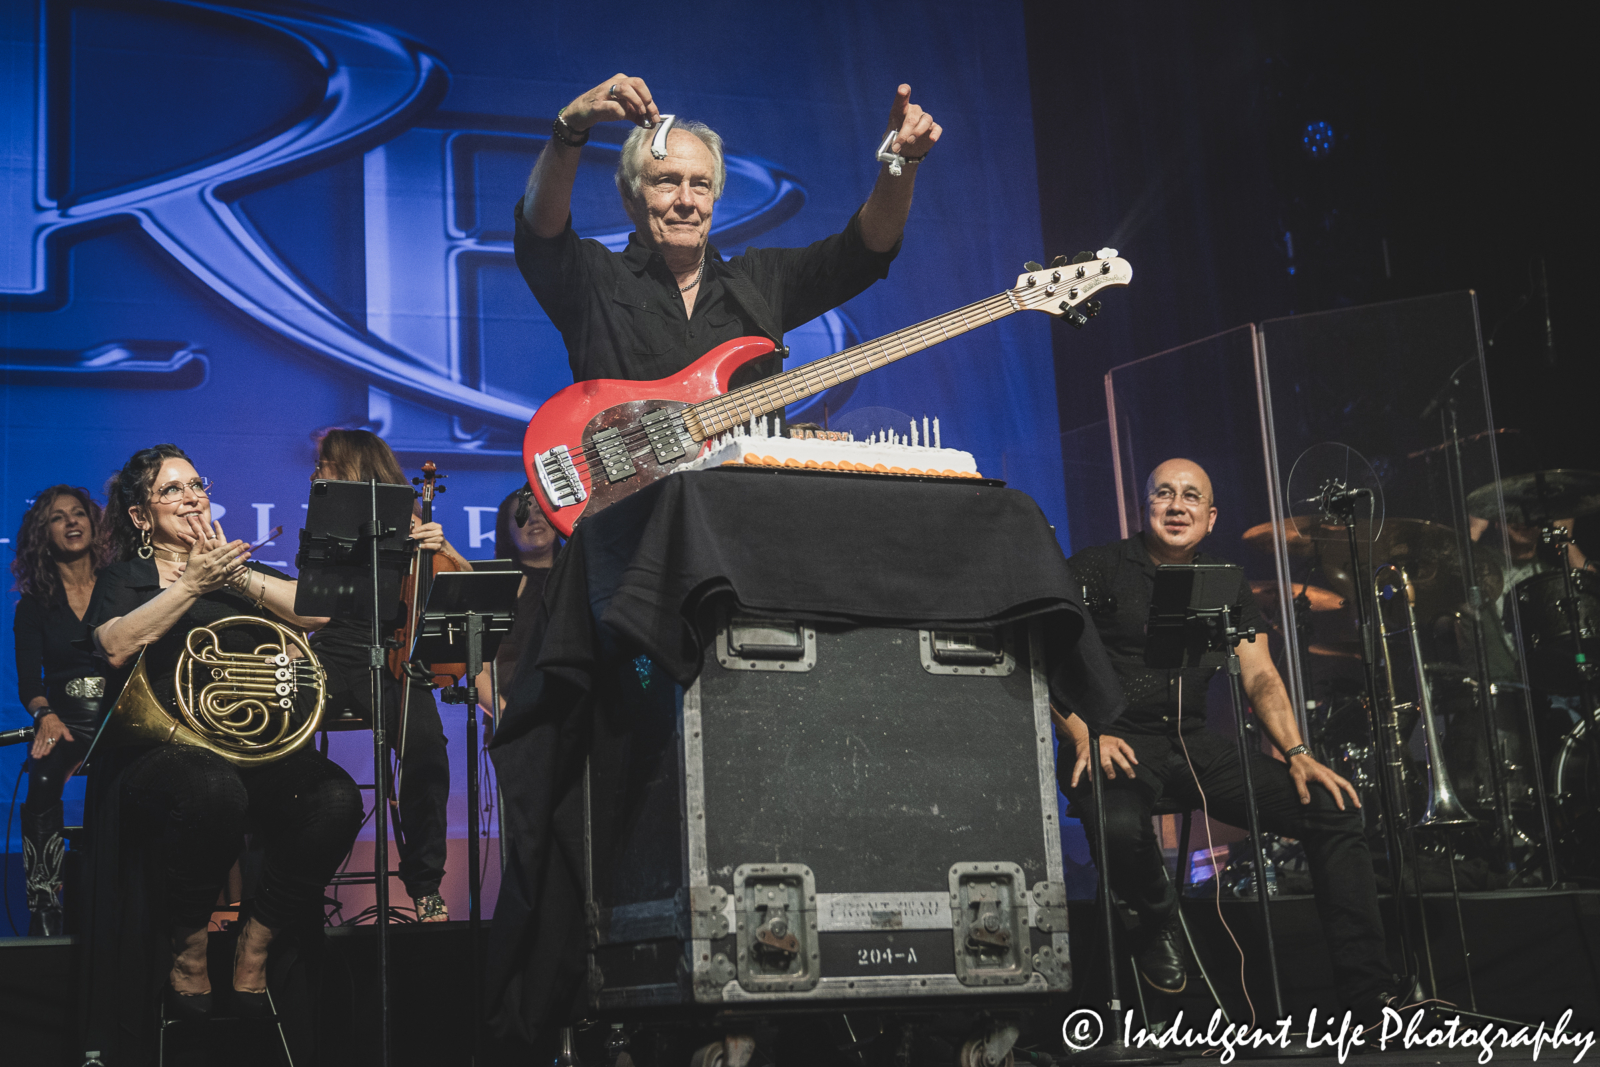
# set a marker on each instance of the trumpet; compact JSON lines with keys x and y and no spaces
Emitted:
{"x":250,"y":708}
{"x":1444,"y":807}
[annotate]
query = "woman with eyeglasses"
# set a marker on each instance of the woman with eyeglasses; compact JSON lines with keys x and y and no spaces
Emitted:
{"x":61,"y":548}
{"x":343,"y":644}
{"x":172,"y":818}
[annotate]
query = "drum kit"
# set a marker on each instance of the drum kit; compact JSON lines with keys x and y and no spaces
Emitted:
{"x":1438,"y":652}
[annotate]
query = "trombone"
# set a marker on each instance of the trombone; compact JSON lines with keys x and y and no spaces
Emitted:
{"x":1444,"y":806}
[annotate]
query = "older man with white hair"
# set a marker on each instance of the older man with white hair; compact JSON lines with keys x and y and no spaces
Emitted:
{"x":669,"y":297}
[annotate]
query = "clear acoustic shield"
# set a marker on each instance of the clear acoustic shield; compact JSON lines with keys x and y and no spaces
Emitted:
{"x":1201,"y":401}
{"x":1091,"y":485}
{"x":1384,"y":462}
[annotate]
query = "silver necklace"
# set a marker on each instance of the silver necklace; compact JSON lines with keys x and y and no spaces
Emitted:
{"x":698,"y":274}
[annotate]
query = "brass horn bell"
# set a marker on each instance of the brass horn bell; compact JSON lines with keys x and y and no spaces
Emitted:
{"x":250,"y":708}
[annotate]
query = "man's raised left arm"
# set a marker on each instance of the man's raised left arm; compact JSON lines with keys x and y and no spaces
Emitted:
{"x":883,"y":217}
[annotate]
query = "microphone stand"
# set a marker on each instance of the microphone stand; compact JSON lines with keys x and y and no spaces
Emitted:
{"x":335,"y":580}
{"x":466,"y":614}
{"x":373,"y":531}
{"x":1225,"y":638}
{"x":1207,"y":627}
{"x":1445,"y":401}
{"x":1342,"y":505}
{"x":1114,"y":1051}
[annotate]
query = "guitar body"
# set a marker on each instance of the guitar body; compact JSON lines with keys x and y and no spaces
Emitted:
{"x":607,"y":414}
{"x":596,"y":442}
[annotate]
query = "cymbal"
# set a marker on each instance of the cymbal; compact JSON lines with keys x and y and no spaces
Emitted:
{"x":1321,"y":599}
{"x":1337,"y":649}
{"x":1566,"y":494}
{"x":1427,"y":549}
{"x":1311,"y":534}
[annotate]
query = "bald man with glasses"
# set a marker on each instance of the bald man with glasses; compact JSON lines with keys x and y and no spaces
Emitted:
{"x":1161,"y":750}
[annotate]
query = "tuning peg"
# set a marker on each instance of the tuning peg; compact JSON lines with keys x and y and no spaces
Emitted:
{"x":1031,"y":266}
{"x":1083,"y":257}
{"x":440,"y":488}
{"x":1059,"y":261}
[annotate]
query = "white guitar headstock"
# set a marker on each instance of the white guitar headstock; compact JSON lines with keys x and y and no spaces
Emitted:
{"x":1060,"y":288}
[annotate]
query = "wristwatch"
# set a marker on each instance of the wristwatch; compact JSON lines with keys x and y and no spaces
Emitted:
{"x":1298,"y":750}
{"x":40,"y":712}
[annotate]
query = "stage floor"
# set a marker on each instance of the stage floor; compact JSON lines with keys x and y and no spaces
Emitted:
{"x":1535,"y":955}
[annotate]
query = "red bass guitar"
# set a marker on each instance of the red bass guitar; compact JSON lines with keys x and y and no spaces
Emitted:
{"x":595,"y":442}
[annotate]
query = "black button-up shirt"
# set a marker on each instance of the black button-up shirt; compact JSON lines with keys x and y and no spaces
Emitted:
{"x":131,"y":583}
{"x":52,"y":647}
{"x":1118,"y":579}
{"x":621,"y":313}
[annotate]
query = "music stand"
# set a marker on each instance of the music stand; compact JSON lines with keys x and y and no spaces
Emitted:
{"x":1191,"y":624}
{"x":353,"y":550}
{"x":466,"y":616}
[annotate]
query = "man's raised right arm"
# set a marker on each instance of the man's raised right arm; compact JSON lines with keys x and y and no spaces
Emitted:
{"x":547,"y":201}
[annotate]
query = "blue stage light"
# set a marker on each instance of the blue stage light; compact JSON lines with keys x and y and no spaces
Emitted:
{"x":1317,"y":140}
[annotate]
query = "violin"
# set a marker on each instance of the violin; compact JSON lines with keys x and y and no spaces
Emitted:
{"x":415,"y":586}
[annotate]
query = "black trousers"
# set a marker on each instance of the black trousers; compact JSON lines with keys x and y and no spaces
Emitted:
{"x":194,"y":808}
{"x":47,"y":777}
{"x":1341,"y":867}
{"x":424,"y":770}
{"x":43,"y":847}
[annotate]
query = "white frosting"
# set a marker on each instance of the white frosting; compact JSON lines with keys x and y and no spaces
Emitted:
{"x":814,"y":453}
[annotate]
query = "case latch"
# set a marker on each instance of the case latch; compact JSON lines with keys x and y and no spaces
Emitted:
{"x":989,"y":913}
{"x":776,"y":908}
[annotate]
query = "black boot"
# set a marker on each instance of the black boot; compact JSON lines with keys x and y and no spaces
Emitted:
{"x":1400,"y":992}
{"x":44,"y":851}
{"x":1159,"y":957}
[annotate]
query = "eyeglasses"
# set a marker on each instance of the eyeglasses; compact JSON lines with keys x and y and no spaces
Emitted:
{"x":171,"y":494}
{"x":1192,"y":498}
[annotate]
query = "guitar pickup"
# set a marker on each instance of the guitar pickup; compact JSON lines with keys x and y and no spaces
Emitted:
{"x":559,"y":478}
{"x":614,"y":457}
{"x":666,"y":434}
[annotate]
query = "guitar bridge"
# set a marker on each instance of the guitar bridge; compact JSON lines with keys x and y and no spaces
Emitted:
{"x":666,"y":434}
{"x":559,"y":478}
{"x":614,"y":455}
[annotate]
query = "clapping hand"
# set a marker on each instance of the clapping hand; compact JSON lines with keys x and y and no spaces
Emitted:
{"x":213,"y":560}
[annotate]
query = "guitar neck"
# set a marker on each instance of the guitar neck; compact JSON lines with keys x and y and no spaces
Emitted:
{"x":721,"y":414}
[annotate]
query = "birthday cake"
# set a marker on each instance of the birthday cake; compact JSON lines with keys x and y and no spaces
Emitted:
{"x":882,"y":453}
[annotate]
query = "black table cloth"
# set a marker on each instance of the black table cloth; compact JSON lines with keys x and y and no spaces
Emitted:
{"x":622,"y":603}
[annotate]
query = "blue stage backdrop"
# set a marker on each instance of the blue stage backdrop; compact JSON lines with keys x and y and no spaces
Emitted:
{"x":229,"y":226}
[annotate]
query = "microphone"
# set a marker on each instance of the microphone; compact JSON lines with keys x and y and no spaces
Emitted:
{"x":1333,"y":493}
{"x":1446,"y":391}
{"x":16,"y":737}
{"x":1439,"y":398}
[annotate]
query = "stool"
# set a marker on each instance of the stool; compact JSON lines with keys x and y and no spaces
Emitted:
{"x":282,"y":1044}
{"x":346,"y":720}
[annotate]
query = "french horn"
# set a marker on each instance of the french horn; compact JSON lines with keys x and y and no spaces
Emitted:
{"x":250,"y":708}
